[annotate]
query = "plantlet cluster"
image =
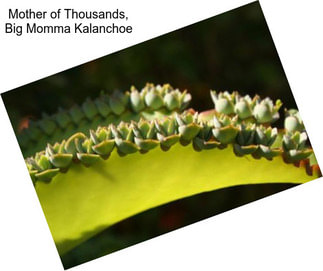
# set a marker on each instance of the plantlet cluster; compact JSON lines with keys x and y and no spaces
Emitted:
{"x":151,"y":102}
{"x":240,"y":121}
{"x":110,"y":158}
{"x":245,"y":107}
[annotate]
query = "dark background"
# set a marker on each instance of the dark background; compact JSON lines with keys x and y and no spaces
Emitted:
{"x":232,"y":51}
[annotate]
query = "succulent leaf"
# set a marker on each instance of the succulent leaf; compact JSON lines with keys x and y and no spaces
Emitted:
{"x":122,"y":127}
{"x":293,"y":121}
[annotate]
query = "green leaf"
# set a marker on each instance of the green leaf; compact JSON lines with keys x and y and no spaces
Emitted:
{"x":84,"y":201}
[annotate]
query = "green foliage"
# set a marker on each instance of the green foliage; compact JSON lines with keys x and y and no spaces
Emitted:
{"x":293,"y":121}
{"x":90,"y":181}
{"x":262,"y":111}
{"x":151,"y":102}
{"x":84,"y":201}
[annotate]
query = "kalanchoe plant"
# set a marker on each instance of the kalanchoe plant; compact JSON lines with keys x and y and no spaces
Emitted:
{"x":188,"y":127}
{"x":121,"y":154}
{"x":167,"y":132}
{"x":145,"y":135}
{"x":224,"y":101}
{"x":224,"y":129}
{"x":265,"y":137}
{"x":58,"y":156}
{"x":262,"y":111}
{"x":103,"y":141}
{"x":124,"y":139}
{"x":294,"y":146}
{"x":149,"y":103}
{"x":266,"y":111}
{"x":244,"y":107}
{"x":245,"y":140}
{"x":293,"y":121}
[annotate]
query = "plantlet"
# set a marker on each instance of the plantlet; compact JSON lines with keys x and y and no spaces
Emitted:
{"x":150,"y":103}
{"x":143,"y":150}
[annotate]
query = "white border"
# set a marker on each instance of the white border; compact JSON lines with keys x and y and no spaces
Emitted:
{"x":281,"y":232}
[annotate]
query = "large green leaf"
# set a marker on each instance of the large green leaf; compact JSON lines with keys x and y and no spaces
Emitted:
{"x":84,"y":201}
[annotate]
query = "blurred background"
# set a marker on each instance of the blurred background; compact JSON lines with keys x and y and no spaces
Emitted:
{"x":231,"y":51}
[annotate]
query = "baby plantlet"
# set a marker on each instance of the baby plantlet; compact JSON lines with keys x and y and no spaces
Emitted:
{"x":294,"y":147}
{"x":149,"y":103}
{"x":293,"y":121}
{"x":244,"y":107}
{"x":265,"y":111}
{"x":143,"y":151}
{"x":224,"y":129}
{"x":224,"y":102}
{"x":262,"y":111}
